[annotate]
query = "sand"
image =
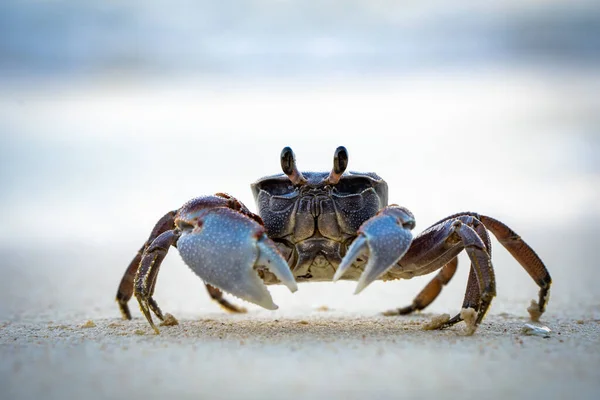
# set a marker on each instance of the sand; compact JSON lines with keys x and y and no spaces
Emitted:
{"x":318,"y":353}
{"x":319,"y":356}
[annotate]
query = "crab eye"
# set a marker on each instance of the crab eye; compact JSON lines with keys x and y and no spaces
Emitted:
{"x":288,"y":165}
{"x":277,"y":187}
{"x":352,"y":185}
{"x":340,"y":163}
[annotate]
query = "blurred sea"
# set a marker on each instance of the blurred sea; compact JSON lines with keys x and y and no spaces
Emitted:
{"x":279,"y":38}
{"x":112,"y":113}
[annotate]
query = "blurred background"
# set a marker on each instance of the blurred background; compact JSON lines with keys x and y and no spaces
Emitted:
{"x":112,"y":113}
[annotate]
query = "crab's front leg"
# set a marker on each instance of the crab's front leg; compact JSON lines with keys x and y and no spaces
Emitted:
{"x":145,"y":278}
{"x":384,"y":239}
{"x":125,"y":290}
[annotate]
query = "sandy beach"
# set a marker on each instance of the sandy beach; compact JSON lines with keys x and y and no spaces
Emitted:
{"x":323,"y":354}
{"x":114,"y":113}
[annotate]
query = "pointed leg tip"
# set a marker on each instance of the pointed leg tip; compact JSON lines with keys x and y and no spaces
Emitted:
{"x":125,"y":317}
{"x":124,"y":308}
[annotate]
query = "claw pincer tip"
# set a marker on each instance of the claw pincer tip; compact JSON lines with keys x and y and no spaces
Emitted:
{"x":383,"y":239}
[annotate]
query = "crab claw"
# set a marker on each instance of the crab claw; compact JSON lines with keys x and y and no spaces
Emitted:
{"x":384,"y":238}
{"x":223,"y":247}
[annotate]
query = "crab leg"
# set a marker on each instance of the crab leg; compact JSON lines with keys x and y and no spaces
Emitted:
{"x":528,"y":259}
{"x":145,"y":279}
{"x":434,"y":287}
{"x":440,"y":244}
{"x":522,"y":252}
{"x":125,"y":290}
{"x":217,"y":295}
{"x":430,"y":292}
{"x":472,"y":297}
{"x":384,"y":238}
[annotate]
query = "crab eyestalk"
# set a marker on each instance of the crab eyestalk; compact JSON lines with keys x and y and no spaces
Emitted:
{"x":288,"y":165}
{"x":340,"y":163}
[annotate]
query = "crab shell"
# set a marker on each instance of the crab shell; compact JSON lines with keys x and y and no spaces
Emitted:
{"x":313,"y":225}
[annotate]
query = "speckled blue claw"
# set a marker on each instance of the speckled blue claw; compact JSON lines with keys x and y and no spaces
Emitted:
{"x":384,"y":239}
{"x":224,"y":248}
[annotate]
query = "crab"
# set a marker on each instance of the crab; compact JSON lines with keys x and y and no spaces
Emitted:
{"x":323,"y":226}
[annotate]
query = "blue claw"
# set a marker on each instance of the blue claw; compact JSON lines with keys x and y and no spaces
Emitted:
{"x":384,"y":238}
{"x":224,"y":247}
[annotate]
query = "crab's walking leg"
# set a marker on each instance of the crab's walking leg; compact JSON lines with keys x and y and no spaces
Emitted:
{"x":440,"y":244}
{"x":430,"y":292}
{"x":521,"y":251}
{"x":434,"y":287}
{"x":217,"y":295}
{"x":145,"y":279}
{"x":125,"y":290}
{"x":528,"y":259}
{"x":472,"y":295}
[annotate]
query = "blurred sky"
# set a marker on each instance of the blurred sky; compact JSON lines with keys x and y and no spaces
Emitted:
{"x":112,"y":113}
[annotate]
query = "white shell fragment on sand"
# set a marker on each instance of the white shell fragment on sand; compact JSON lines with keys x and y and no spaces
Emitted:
{"x":536,"y":330}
